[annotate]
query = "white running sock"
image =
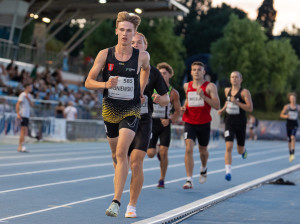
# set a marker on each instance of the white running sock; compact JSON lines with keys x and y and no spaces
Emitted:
{"x":189,"y":179}
{"x":203,"y":169}
{"x":228,"y":168}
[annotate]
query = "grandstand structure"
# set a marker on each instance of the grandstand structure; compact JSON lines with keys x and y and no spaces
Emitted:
{"x":30,"y":63}
{"x":17,"y":14}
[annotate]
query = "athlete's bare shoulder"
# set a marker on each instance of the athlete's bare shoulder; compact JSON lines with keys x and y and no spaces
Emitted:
{"x":245,"y":92}
{"x":144,"y":54}
{"x":185,"y":86}
{"x":101,"y":57}
{"x":226,"y":90}
{"x":174,"y":92}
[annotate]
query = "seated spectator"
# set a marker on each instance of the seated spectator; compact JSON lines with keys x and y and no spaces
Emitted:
{"x":70,"y":112}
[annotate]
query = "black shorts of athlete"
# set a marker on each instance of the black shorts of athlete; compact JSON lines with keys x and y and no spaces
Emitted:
{"x":232,"y":130}
{"x":199,"y":131}
{"x":161,"y":132}
{"x":291,"y":131}
{"x":112,"y":129}
{"x":24,"y":121}
{"x":142,"y":136}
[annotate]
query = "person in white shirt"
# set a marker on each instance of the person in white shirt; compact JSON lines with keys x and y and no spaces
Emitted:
{"x":25,"y":101}
{"x":70,"y":112}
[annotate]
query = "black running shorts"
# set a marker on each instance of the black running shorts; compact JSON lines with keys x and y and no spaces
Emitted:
{"x":235,"y":130}
{"x":143,"y":134}
{"x":161,"y":132}
{"x":199,"y":131}
{"x":112,"y":129}
{"x":24,"y":121}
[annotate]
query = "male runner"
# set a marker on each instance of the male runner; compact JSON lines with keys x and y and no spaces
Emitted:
{"x":291,"y":113}
{"x":139,"y":145}
{"x":162,"y":119}
{"x":201,"y":95}
{"x":121,"y":106}
{"x":237,"y":104}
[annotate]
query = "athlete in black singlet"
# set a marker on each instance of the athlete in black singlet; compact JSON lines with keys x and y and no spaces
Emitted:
{"x":125,"y":75}
{"x":291,"y":113}
{"x":139,"y":145}
{"x":237,"y":104}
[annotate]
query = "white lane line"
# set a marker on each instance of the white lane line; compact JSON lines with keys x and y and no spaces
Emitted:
{"x":126,"y":191}
{"x":51,"y":154}
{"x":111,"y":175}
{"x":107,"y":164}
{"x":52,"y":161}
{"x":99,"y":157}
{"x":215,"y":198}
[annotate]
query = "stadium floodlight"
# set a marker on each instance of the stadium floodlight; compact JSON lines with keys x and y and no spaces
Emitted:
{"x":31,"y":15}
{"x":36,"y":16}
{"x":102,"y":1}
{"x":46,"y":20}
{"x":138,"y":11}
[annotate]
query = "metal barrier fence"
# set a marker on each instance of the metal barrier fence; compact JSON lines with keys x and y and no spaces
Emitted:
{"x":46,"y":108}
{"x":26,"y":53}
{"x":85,"y":129}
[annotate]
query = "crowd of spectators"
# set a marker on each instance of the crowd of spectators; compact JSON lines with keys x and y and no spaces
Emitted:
{"x":48,"y":85}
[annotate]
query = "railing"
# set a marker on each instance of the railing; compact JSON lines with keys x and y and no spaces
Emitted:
{"x":46,"y":108}
{"x":27,"y":53}
{"x":34,"y":55}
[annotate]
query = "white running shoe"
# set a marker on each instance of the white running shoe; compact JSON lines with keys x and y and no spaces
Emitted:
{"x":113,"y":210}
{"x":130,"y":212}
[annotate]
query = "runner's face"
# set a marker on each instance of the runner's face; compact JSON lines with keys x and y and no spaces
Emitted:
{"x":197,"y":72}
{"x":125,"y":32}
{"x":235,"y":78}
{"x":138,"y":42}
{"x":292,"y":99}
{"x":165,"y":74}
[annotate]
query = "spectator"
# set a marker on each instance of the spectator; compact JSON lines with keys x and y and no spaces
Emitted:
{"x":70,"y":112}
{"x":253,"y":123}
{"x":34,"y":72}
{"x":59,"y":110}
{"x":23,"y":113}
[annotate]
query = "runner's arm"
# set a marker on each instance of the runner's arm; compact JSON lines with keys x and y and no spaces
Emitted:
{"x":175,"y":100}
{"x":248,"y":105}
{"x":226,"y":90}
{"x":98,"y":65}
{"x":145,"y":70}
{"x":214,"y":100}
{"x":283,"y":113}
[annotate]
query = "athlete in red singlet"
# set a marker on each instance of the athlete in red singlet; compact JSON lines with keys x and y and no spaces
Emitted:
{"x":200,"y":97}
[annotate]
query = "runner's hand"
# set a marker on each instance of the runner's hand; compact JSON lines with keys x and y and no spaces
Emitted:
{"x":182,"y":109}
{"x":142,"y":98}
{"x":112,"y":82}
{"x":156,"y":98}
{"x":165,"y":122}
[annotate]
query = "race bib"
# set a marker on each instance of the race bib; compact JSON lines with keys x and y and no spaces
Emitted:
{"x":144,"y":107}
{"x":158,"y":111}
{"x":195,"y":100}
{"x":293,"y":115}
{"x":124,"y":89}
{"x":232,"y":108}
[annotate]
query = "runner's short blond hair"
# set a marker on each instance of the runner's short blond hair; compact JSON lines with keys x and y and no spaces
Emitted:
{"x":129,"y":17}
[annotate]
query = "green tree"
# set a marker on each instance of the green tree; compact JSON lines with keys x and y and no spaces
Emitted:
{"x":102,"y":37}
{"x":267,"y":16}
{"x":210,"y":28}
{"x":266,"y":66}
{"x":165,"y":46}
{"x":281,"y":64}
